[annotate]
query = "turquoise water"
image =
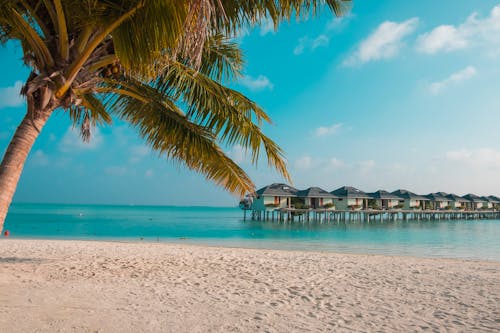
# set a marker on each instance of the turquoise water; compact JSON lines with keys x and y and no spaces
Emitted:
{"x":225,"y":227}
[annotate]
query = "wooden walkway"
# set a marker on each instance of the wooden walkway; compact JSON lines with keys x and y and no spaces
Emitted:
{"x":324,"y":215}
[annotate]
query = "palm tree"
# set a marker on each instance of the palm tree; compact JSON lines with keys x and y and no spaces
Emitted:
{"x":160,"y":65}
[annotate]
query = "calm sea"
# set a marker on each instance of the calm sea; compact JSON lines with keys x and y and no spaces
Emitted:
{"x":225,"y":227}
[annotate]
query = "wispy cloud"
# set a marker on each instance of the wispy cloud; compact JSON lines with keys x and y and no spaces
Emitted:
{"x":384,"y":43}
{"x":39,"y":158}
{"x":306,"y":43}
{"x":327,"y":130}
{"x":10,"y":96}
{"x":116,"y":170}
{"x":303,"y":163}
{"x":138,"y":152}
{"x":256,"y":84}
{"x":485,"y":158}
{"x":365,"y":167}
{"x":266,"y":27}
{"x":238,"y":154}
{"x":455,"y":78}
{"x":474,"y":31}
{"x":72,"y":142}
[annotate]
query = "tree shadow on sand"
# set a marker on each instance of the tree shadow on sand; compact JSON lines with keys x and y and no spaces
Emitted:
{"x":16,"y":260}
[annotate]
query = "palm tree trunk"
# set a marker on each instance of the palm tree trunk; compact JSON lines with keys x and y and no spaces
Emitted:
{"x":15,"y":157}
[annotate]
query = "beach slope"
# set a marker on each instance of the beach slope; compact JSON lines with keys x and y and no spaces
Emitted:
{"x":86,"y":286}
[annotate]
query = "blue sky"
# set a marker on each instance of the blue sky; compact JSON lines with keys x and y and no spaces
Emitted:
{"x":397,"y":94}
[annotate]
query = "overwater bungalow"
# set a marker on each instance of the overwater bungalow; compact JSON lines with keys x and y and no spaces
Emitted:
{"x":411,"y":200}
{"x":315,"y":197}
{"x":476,"y":202}
{"x":457,"y":202}
{"x":273,"y":196}
{"x":438,"y":200}
{"x":384,"y":200}
{"x":350,"y":198}
{"x":496,"y":201}
{"x":490,"y":202}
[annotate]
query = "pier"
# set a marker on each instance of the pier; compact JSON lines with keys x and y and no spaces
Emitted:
{"x":291,"y":215}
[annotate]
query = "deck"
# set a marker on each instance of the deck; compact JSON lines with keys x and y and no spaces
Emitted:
{"x":367,"y":215}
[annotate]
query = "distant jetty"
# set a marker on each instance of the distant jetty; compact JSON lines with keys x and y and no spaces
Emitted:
{"x":282,"y":202}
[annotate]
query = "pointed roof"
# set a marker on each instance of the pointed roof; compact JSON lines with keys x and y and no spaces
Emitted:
{"x":350,"y":192}
{"x":315,"y":192}
{"x":405,"y":194}
{"x":494,"y":199}
{"x":437,"y":197}
{"x":278,"y":189}
{"x":384,"y":195}
{"x":474,"y":198}
{"x":457,"y":198}
{"x":490,"y":199}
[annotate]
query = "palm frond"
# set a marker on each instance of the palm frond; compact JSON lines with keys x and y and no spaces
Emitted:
{"x":222,"y":59}
{"x":167,"y":130}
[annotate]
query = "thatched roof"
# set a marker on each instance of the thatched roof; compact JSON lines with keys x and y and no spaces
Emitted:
{"x":437,"y":197}
{"x":405,"y":194}
{"x":277,"y":189}
{"x":350,"y":193}
{"x":457,"y":198}
{"x":315,"y":192}
{"x":474,"y":198}
{"x":383,"y":195}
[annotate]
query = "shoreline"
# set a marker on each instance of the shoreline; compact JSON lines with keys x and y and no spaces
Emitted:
{"x":89,"y":286}
{"x":194,"y":243}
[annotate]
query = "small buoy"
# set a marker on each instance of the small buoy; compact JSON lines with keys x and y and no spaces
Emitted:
{"x":6,"y":233}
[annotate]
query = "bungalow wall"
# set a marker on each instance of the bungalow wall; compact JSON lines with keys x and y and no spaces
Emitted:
{"x":320,"y":202}
{"x":412,"y":204}
{"x":457,"y":205}
{"x":440,"y":204}
{"x":260,"y":203}
{"x":347,"y":204}
{"x":386,"y":203}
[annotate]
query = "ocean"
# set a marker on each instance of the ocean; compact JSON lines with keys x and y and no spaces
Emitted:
{"x":215,"y":226}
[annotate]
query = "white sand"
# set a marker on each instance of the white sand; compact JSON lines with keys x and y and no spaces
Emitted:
{"x":75,"y":286}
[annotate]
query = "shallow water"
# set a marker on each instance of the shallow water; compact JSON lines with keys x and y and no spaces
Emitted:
{"x":469,"y":239}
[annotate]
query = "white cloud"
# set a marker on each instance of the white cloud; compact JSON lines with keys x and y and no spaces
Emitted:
{"x":72,"y":141}
{"x":384,"y":43}
{"x":149,"y":173}
{"x":445,"y":37}
{"x":259,"y":83}
{"x":303,"y":163}
{"x":311,"y":44}
{"x":10,"y":96}
{"x":455,"y":78}
{"x":327,"y":130}
{"x":473,"y":31}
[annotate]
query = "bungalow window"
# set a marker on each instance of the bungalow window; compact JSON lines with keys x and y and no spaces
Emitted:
{"x":276,"y":200}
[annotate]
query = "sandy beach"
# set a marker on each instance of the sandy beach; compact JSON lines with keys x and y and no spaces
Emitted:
{"x":80,"y":286}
